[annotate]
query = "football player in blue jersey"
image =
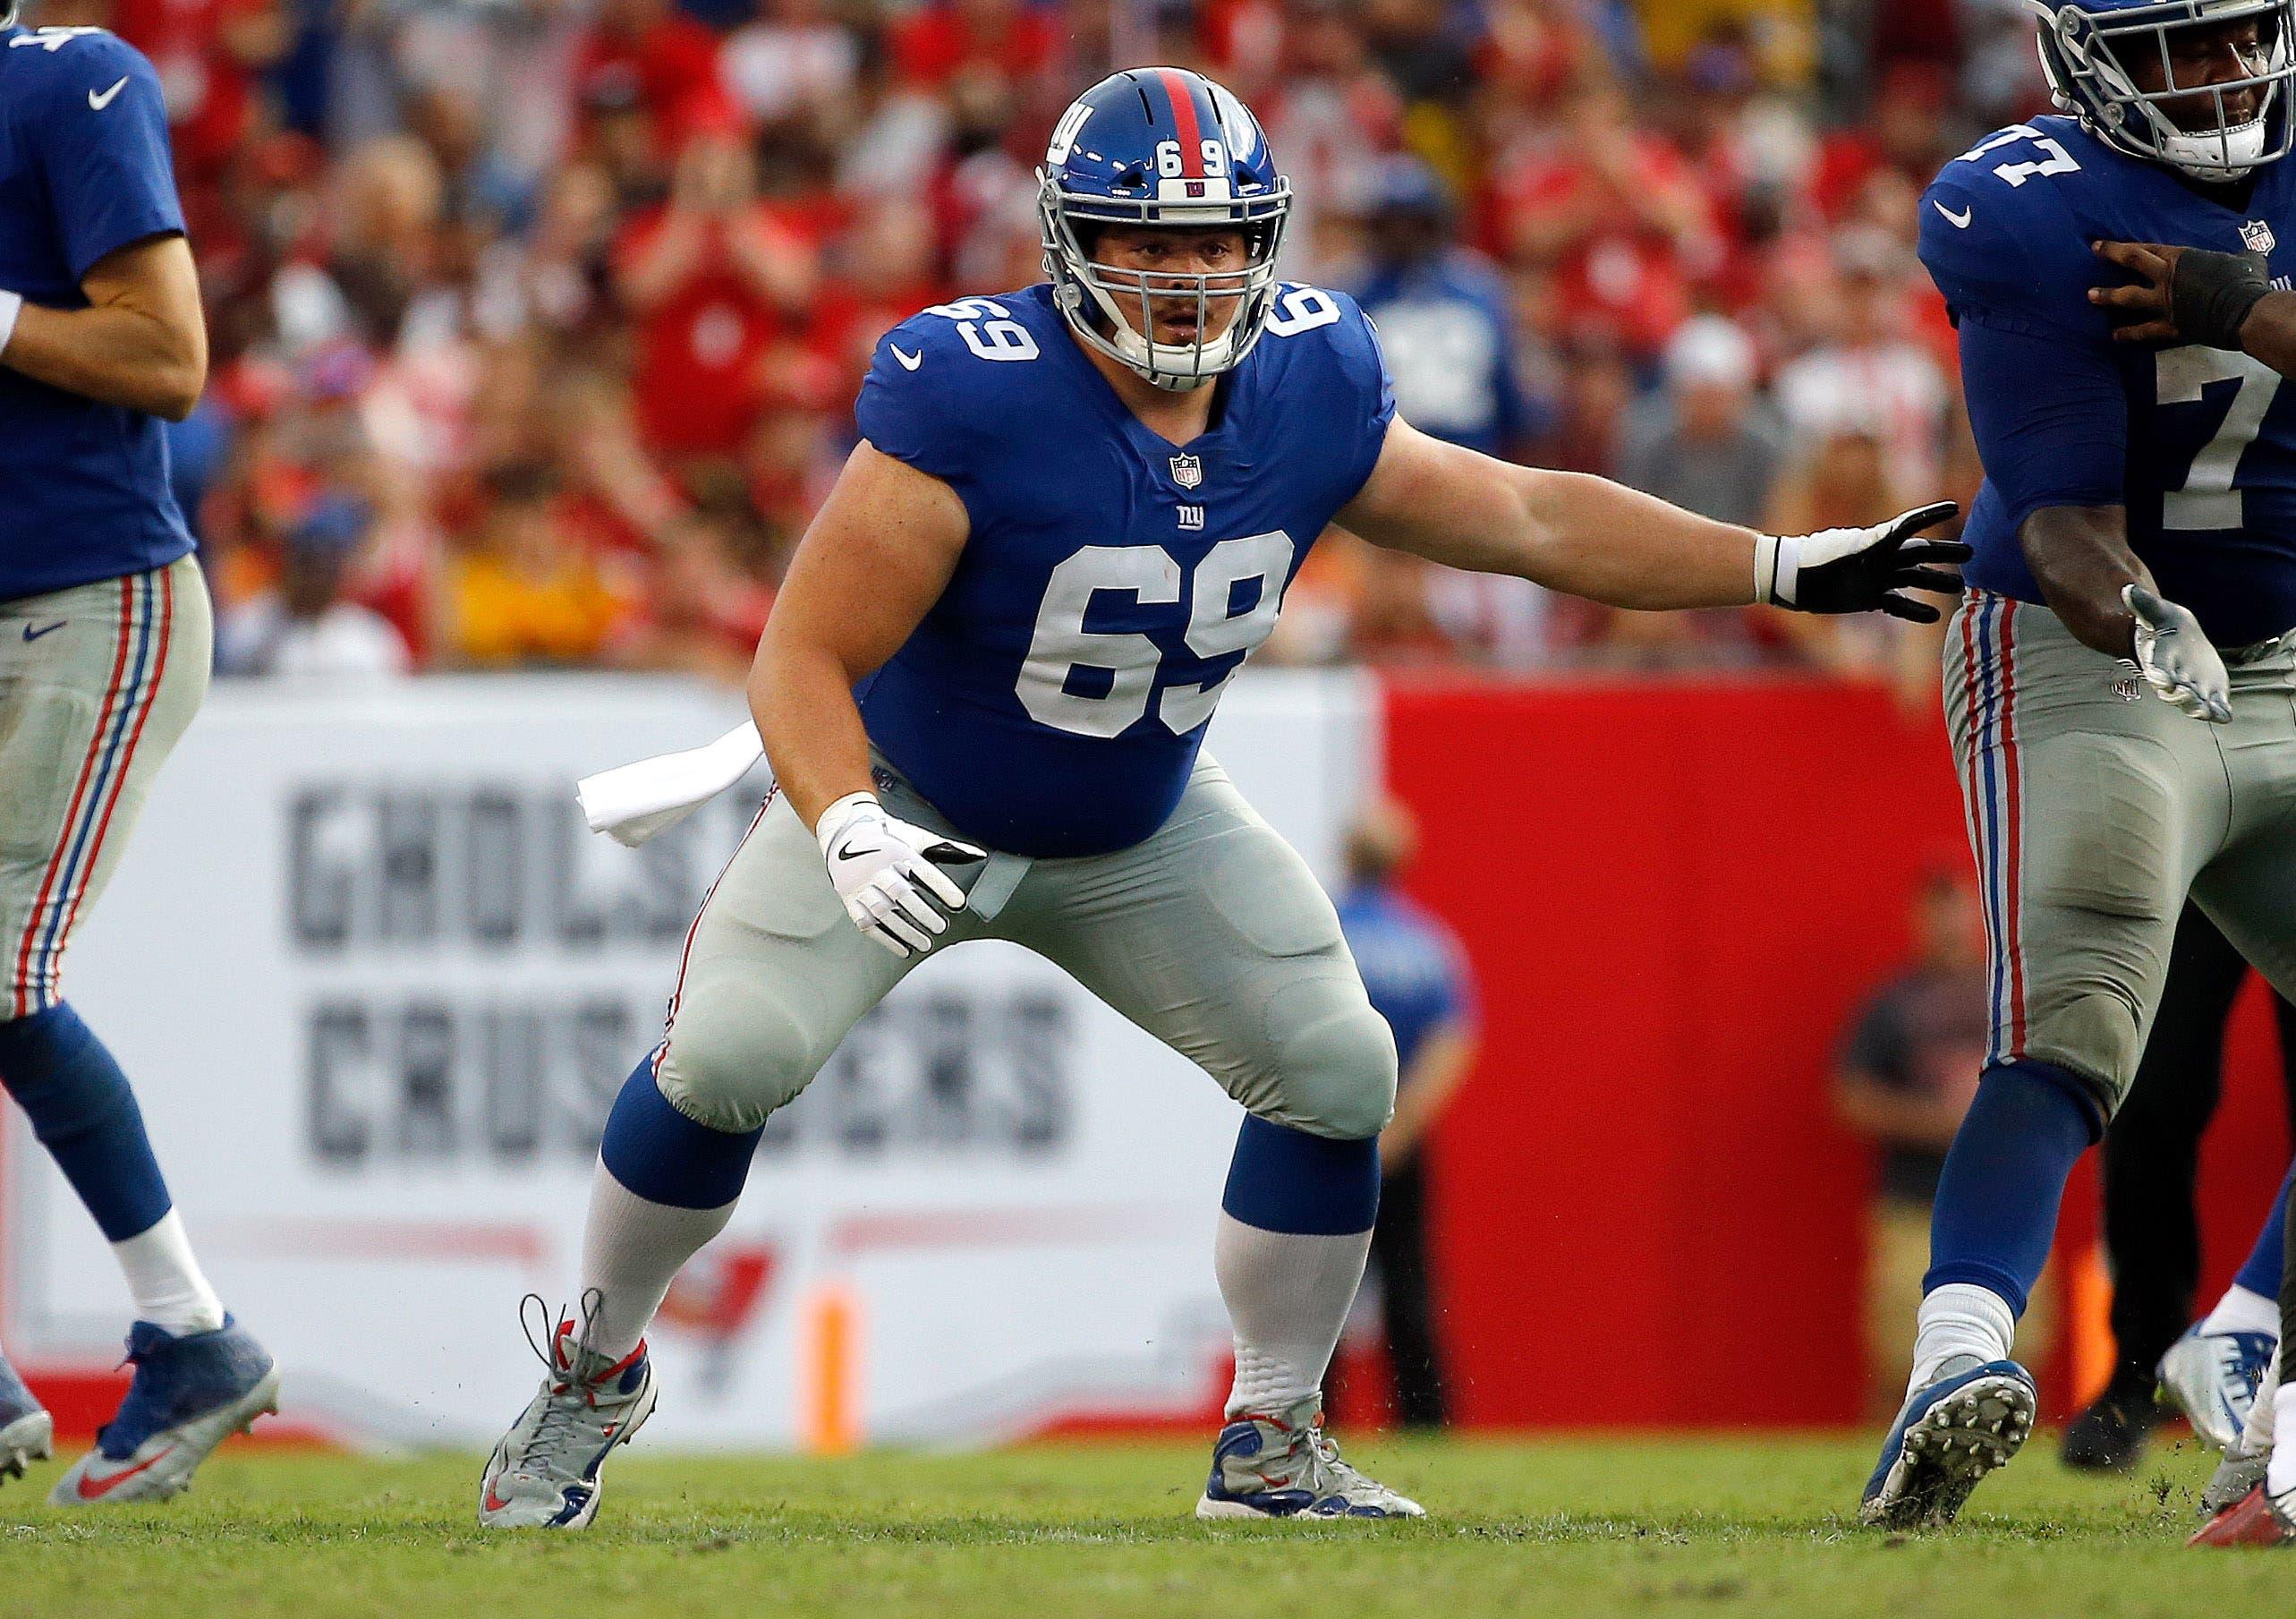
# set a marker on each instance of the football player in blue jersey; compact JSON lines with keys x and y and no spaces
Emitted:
{"x":2232,"y":303}
{"x":2136,"y":531}
{"x":984,"y":690}
{"x":103,"y":633}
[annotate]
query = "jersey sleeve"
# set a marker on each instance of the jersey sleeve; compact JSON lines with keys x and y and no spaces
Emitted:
{"x":2050,"y":416}
{"x":2010,"y":256}
{"x":912,"y":402}
{"x":101,"y":131}
{"x":1368,"y":392}
{"x":2044,"y":394}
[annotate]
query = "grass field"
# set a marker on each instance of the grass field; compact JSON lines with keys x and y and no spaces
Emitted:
{"x":1564,"y":1528}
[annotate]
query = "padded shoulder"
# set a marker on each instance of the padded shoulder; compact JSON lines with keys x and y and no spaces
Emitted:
{"x":2002,"y":233}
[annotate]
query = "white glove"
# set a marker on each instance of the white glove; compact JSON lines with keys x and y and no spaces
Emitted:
{"x":887,"y":873}
{"x":2177,"y":661}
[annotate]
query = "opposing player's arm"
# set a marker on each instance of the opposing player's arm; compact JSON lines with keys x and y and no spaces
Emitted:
{"x":2189,"y":295}
{"x":141,"y":342}
{"x":1593,"y":538}
{"x":875,"y":559}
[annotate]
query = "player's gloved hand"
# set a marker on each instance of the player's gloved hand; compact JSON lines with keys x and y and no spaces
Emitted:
{"x":2189,"y":294}
{"x":2177,"y":661}
{"x":888,"y":872}
{"x":1858,"y":570}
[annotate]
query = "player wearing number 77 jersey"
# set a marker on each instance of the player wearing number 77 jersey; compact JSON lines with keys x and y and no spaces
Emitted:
{"x":984,"y":690}
{"x":2137,"y":528}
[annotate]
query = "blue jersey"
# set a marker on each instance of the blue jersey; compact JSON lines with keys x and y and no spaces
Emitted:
{"x":2197,"y":445}
{"x":84,"y":171}
{"x":1052,"y":701}
{"x":1449,"y":340}
{"x":1412,"y":967}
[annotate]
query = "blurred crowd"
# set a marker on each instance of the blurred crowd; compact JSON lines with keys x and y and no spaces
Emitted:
{"x":538,"y":323}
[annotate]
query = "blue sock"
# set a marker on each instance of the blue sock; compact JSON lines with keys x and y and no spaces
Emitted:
{"x":2261,"y":1273}
{"x":1287,"y":1180}
{"x":665,"y":1157}
{"x":84,"y":1113}
{"x":1996,"y":1209}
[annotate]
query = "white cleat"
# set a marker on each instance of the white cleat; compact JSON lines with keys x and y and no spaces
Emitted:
{"x":1285,"y":1466}
{"x":2212,"y":1378}
{"x":545,"y":1472}
{"x":27,"y":1432}
{"x":29,"y":1438}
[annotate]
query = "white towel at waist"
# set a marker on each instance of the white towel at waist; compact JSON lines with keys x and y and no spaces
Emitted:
{"x":632,"y":802}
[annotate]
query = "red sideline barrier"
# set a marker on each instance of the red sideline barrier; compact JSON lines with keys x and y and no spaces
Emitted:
{"x":1675,"y":895}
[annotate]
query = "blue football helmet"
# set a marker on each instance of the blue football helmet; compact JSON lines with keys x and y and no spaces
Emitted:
{"x":1160,"y":146}
{"x":2086,"y":46}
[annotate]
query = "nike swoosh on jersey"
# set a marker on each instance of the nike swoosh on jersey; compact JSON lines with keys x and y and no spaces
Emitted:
{"x":105,"y":1486}
{"x":33,"y":635}
{"x":98,"y":103}
{"x":1959,"y":221}
{"x":909,"y":362}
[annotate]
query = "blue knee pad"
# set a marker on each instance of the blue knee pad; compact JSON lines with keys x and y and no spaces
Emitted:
{"x":83,"y":1111}
{"x":665,"y":1157}
{"x":1287,"y":1180}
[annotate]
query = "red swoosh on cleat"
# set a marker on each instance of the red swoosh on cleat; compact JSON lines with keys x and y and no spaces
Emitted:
{"x":494,"y":1502}
{"x":103,"y":1487}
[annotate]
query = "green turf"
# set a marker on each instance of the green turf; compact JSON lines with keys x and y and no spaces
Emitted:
{"x":1566,"y":1528}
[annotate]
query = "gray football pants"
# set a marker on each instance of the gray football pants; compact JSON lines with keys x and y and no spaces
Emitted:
{"x":97,"y":683}
{"x":2095,"y":809}
{"x":1210,"y":933}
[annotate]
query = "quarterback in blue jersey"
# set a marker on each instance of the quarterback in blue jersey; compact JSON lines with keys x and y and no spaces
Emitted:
{"x":2136,"y":529}
{"x":984,"y":689}
{"x":104,"y":634}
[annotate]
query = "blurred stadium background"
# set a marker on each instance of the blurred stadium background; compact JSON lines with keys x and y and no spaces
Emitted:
{"x":537,"y":326}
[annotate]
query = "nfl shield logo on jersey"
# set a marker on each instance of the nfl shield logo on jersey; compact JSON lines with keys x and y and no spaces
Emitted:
{"x":2258,"y":234}
{"x":1187,"y":472}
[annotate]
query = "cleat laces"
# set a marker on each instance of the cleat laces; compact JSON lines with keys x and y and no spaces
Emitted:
{"x":570,"y":1399}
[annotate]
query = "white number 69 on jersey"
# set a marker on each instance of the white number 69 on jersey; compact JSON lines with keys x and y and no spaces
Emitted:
{"x":1149,"y":575}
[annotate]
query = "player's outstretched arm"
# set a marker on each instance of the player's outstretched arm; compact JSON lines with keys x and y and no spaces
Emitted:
{"x":142,"y":341}
{"x":1600,"y":540}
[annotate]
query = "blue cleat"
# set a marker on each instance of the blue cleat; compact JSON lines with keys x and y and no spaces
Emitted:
{"x":27,"y":1432}
{"x":1953,"y":1432}
{"x":1284,"y":1465}
{"x":188,"y":1395}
